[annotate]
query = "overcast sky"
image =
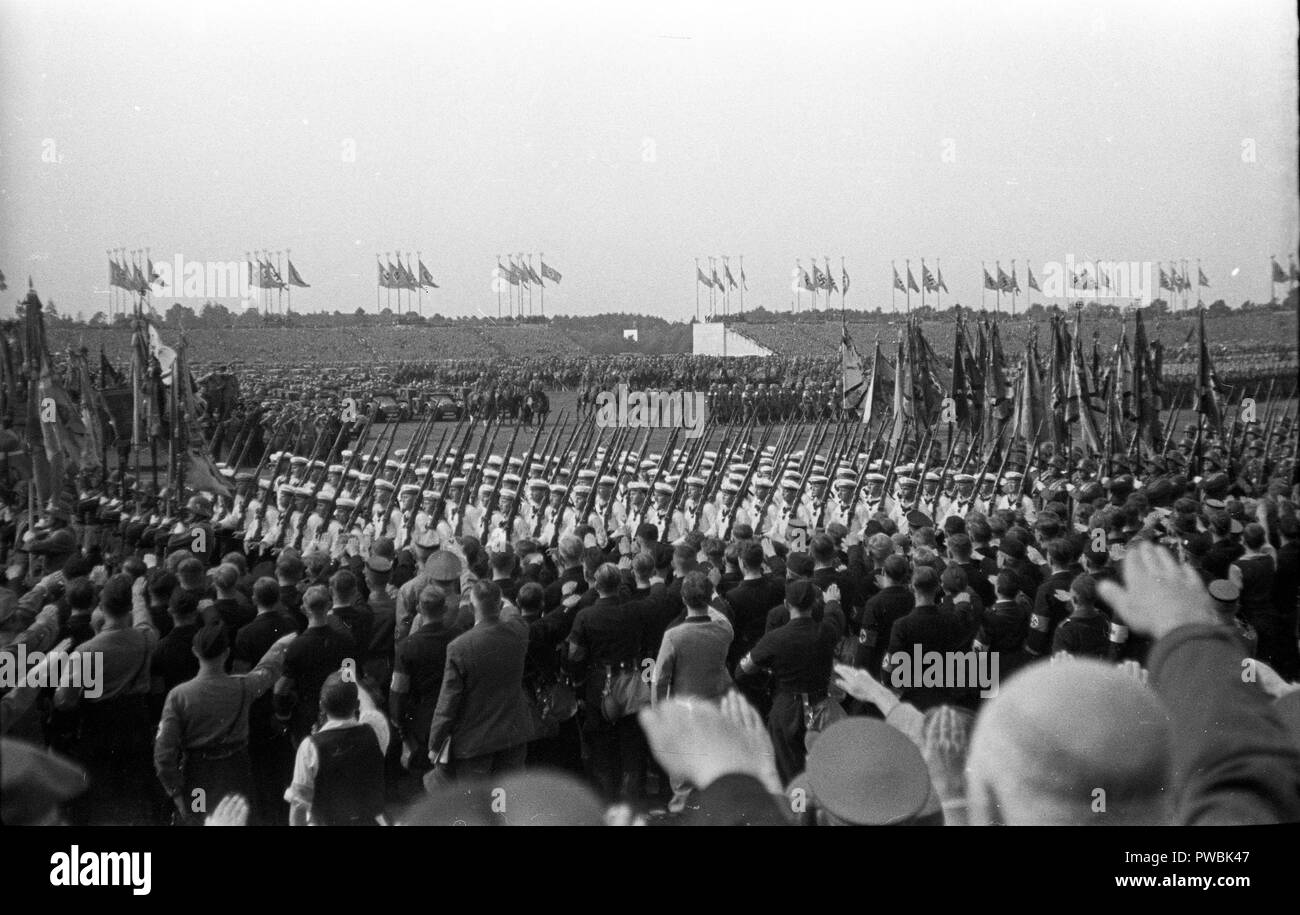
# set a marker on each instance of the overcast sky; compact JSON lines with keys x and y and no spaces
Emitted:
{"x":625,"y":143}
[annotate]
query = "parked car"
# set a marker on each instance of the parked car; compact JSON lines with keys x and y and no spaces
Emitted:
{"x":388,"y":408}
{"x":445,"y":405}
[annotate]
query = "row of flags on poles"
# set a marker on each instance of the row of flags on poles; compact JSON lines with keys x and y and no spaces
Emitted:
{"x":137,"y":274}
{"x":930,"y":282}
{"x":132,"y":271}
{"x":523,"y":274}
{"x":403,"y":276}
{"x":723,"y":282}
{"x":265,"y":273}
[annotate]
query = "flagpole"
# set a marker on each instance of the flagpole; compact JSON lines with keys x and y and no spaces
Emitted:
{"x":697,"y":290}
{"x":742,"y":284}
{"x":713,"y":303}
{"x":843,"y":285}
{"x":1015,"y":287}
{"x":908,"y":264}
{"x":984,"y":271}
{"x":893,"y":288}
{"x":938,"y":294}
{"x":798,"y":286}
{"x":923,"y":284}
{"x":541,"y":290}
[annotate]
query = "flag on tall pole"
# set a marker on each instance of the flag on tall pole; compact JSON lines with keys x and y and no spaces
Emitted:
{"x":852,"y":380}
{"x":1279,"y":276}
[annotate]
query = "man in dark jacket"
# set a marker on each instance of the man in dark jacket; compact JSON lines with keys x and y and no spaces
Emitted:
{"x":482,"y":726}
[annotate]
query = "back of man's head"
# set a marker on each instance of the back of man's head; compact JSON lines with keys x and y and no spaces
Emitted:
{"x":607,"y":579}
{"x":115,"y":599}
{"x":925,"y":582}
{"x":190,"y":573}
{"x":338,"y":697}
{"x":486,"y":597}
{"x":959,"y":547}
{"x":316,"y":600}
{"x":696,"y":591}
{"x":343,"y":585}
{"x":531,"y":598}
{"x":751,"y":557}
{"x":503,"y":564}
{"x":266,"y":592}
{"x":822,"y":549}
{"x":643,"y":565}
{"x":896,"y":568}
{"x":225,"y":577}
{"x":1253,"y":536}
{"x":185,"y":605}
{"x":432,"y":602}
{"x":570,"y":550}
{"x":1057,"y":738}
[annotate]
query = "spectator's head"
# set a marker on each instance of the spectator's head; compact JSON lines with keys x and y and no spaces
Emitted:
{"x":184,"y":607}
{"x":751,"y":559}
{"x":266,"y":593}
{"x":979,"y":531}
{"x":879,"y":547}
{"x":896,"y":569}
{"x":1062,"y":553}
{"x":570,"y":551}
{"x":822,"y":549}
{"x":1252,"y":536}
{"x":225,"y":578}
{"x":925,"y":585}
{"x":81,"y":595}
{"x":607,"y":579}
{"x":1008,"y":585}
{"x":683,"y":559}
{"x":432,"y":602}
{"x":339,"y":698}
{"x":696,"y":591}
{"x":211,"y":644}
{"x":643,"y":568}
{"x":531,"y":599}
{"x":115,"y":599}
{"x":959,"y":548}
{"x":190,"y":574}
{"x":237,"y":560}
{"x":1057,"y":738}
{"x":503,"y":564}
{"x":343,"y":587}
{"x":316,"y":603}
{"x":800,"y":598}
{"x":486,"y":598}
{"x":288,"y":568}
{"x":647,"y":533}
{"x":1083,"y":593}
{"x":953,"y":580}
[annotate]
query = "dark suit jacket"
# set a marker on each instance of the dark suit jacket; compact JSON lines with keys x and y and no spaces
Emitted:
{"x":482,"y":705}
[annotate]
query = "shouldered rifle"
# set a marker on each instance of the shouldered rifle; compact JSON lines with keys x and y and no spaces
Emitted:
{"x":943,"y":474}
{"x":579,"y":456}
{"x":496,"y":486}
{"x":893,"y":450}
{"x":745,"y":482}
{"x":527,"y":463}
{"x":367,"y":490}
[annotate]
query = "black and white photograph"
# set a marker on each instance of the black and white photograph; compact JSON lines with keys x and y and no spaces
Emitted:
{"x":651,"y":414}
